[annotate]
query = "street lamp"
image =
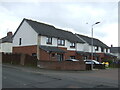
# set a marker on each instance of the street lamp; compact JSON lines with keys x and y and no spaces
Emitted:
{"x":92,"y":44}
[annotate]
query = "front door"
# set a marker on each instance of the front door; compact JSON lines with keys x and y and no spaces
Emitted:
{"x":60,"y":57}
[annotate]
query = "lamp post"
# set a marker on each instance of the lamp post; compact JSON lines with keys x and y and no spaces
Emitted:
{"x":92,"y":44}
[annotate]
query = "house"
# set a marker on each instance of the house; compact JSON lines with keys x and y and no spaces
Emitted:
{"x":6,"y":43}
{"x":115,"y":51}
{"x":101,"y":51}
{"x":45,"y":41}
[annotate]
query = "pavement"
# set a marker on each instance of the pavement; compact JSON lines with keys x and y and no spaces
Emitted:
{"x":16,"y":76}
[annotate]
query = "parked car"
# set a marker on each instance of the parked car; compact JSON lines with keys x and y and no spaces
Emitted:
{"x":71,"y":60}
{"x":88,"y":61}
{"x":106,"y":64}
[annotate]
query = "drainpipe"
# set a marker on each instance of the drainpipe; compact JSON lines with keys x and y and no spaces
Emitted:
{"x":38,"y":47}
{"x":75,"y":49}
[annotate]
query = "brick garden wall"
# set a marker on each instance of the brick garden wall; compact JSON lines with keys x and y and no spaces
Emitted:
{"x":62,"y":65}
{"x":24,"y":59}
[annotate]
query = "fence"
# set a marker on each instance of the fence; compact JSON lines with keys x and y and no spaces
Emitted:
{"x":22,"y":59}
{"x":10,"y":58}
{"x":114,"y":65}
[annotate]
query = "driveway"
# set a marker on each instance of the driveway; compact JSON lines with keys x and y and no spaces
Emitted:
{"x":27,"y":77}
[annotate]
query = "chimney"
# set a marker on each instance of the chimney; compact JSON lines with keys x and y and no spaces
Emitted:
{"x":111,"y":45}
{"x":9,"y":34}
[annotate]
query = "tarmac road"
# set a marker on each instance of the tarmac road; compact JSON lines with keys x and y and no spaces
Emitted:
{"x":26,"y":77}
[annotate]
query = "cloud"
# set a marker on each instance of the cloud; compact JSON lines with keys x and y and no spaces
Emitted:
{"x":71,"y":16}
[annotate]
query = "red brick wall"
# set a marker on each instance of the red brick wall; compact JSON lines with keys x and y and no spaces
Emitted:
{"x":72,"y":53}
{"x":44,"y":55}
{"x":62,"y":65}
{"x":25,"y":49}
{"x":79,"y":57}
{"x":68,"y":53}
{"x":101,"y":56}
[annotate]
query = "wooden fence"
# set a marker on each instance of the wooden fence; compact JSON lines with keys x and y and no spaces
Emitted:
{"x":22,"y":59}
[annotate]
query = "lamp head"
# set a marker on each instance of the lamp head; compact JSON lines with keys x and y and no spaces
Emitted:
{"x":97,"y":22}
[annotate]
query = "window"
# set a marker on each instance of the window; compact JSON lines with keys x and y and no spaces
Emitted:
{"x":53,"y":55}
{"x":85,"y":58}
{"x":34,"y":54}
{"x":60,"y":57}
{"x":72,"y":45}
{"x":61,"y":42}
{"x":106,"y":50}
{"x":49,"y":40}
{"x":96,"y":48}
{"x":72,"y":57}
{"x":102,"y":49}
{"x":20,"y":39}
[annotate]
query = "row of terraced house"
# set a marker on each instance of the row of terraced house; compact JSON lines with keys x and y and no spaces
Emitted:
{"x":49,"y":43}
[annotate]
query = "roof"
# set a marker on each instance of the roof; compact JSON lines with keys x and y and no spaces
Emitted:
{"x":87,"y":53}
{"x":49,"y":30}
{"x":110,"y":55}
{"x":96,"y":42}
{"x":83,"y":53}
{"x":6,"y":39}
{"x":52,"y":49}
{"x":115,"y":49}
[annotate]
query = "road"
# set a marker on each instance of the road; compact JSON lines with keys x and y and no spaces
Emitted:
{"x":26,"y":77}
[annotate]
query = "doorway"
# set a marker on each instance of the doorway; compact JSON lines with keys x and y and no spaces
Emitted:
{"x":60,"y":57}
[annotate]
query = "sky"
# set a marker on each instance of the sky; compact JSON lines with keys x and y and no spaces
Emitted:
{"x":76,"y":16}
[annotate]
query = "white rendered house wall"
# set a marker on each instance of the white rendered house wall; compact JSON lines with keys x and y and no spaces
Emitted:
{"x":6,"y":47}
{"x":27,"y":34}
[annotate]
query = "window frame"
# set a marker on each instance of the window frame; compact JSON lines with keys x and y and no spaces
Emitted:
{"x":20,"y":41}
{"x":49,"y":40}
{"x":97,"y":48}
{"x":72,"y":44}
{"x":61,"y":42}
{"x":102,"y":49}
{"x":106,"y":50}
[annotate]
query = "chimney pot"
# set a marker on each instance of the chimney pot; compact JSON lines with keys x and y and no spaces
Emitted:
{"x":9,"y":34}
{"x":111,"y":45}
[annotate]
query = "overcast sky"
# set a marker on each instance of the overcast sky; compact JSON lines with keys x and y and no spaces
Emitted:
{"x":73,"y":16}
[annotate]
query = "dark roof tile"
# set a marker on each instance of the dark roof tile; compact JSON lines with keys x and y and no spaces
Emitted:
{"x":49,"y":30}
{"x":115,"y":49}
{"x":96,"y":42}
{"x":52,"y":49}
{"x":6,"y":39}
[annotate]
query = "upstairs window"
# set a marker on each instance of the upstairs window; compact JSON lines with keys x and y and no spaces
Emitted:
{"x":20,"y":40}
{"x":102,"y":49}
{"x":49,"y":40}
{"x":61,"y":42}
{"x":106,"y":50}
{"x":72,"y":45}
{"x":96,"y":48}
